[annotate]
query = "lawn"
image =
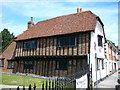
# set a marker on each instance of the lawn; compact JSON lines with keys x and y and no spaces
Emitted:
{"x":9,"y":79}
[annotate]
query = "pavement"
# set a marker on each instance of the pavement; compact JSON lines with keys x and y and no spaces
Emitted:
{"x":109,"y":82}
{"x":9,"y":86}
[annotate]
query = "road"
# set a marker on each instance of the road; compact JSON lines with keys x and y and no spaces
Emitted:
{"x":109,"y":82}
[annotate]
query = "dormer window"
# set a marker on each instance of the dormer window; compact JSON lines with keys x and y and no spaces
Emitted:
{"x":30,"y":44}
{"x":100,"y":40}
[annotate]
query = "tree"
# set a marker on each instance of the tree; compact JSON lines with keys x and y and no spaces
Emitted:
{"x":5,"y":38}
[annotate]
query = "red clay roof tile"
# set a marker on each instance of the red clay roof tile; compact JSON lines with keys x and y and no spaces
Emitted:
{"x":8,"y":51}
{"x":78,"y":22}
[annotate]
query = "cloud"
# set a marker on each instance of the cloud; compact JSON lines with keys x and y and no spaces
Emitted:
{"x":6,"y":24}
{"x":15,"y":29}
{"x":53,"y":9}
{"x":42,"y":9}
{"x":111,"y":32}
{"x":18,"y":0}
{"x":60,"y":0}
{"x":108,"y":12}
{"x":0,"y":18}
{"x":0,"y":15}
{"x":92,"y":0}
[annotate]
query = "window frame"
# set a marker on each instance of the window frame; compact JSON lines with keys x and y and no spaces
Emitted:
{"x":30,"y":43}
{"x":65,"y":41}
{"x":60,"y":63}
{"x":100,"y":41}
{"x":28,"y":65}
{"x":72,"y":62}
{"x":2,"y":63}
{"x":98,"y":64}
{"x":12,"y":66}
{"x":102,"y":62}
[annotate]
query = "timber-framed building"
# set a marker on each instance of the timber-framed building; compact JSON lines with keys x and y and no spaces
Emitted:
{"x":59,"y":46}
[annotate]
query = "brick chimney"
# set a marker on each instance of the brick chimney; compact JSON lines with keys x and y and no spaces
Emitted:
{"x":30,"y":23}
{"x":79,"y":10}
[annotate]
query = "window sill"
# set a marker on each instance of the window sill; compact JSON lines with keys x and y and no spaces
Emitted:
{"x":66,"y":46}
{"x":100,"y":46}
{"x":29,"y":49}
{"x":61,"y":69}
{"x":72,"y":65}
{"x":10,"y":68}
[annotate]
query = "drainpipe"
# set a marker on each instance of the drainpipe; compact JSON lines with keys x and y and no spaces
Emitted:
{"x":90,"y":66}
{"x":96,"y":69}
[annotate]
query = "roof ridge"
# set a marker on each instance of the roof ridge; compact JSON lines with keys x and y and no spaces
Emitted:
{"x":39,"y":26}
{"x":64,"y":16}
{"x":52,"y":19}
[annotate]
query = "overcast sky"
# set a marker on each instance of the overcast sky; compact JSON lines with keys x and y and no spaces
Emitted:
{"x":15,"y":15}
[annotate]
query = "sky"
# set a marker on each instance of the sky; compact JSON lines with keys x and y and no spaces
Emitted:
{"x":15,"y":15}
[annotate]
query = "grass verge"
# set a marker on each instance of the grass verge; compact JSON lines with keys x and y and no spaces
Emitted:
{"x":9,"y":79}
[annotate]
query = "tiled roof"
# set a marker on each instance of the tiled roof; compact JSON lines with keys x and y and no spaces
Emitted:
{"x":8,"y":51}
{"x":72,"y":23}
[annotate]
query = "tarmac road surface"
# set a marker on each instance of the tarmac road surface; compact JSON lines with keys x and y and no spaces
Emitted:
{"x":109,"y":82}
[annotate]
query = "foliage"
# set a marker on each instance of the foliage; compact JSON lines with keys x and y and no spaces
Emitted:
{"x":5,"y":38}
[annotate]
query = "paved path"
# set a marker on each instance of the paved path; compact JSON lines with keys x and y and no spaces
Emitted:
{"x":109,"y":82}
{"x":9,"y":86}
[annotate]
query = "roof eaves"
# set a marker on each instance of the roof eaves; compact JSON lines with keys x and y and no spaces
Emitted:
{"x":52,"y":35}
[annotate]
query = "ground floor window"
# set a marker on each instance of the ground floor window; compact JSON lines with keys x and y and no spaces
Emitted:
{"x":28,"y":64}
{"x":100,"y":64}
{"x":62,"y":64}
{"x":1,"y":62}
{"x":10,"y":64}
{"x":72,"y":62}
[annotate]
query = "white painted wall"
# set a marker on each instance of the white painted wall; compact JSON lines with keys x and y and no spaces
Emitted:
{"x":97,"y":52}
{"x":111,"y":63}
{"x":107,"y":51}
{"x":118,"y":61}
{"x":99,"y":31}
